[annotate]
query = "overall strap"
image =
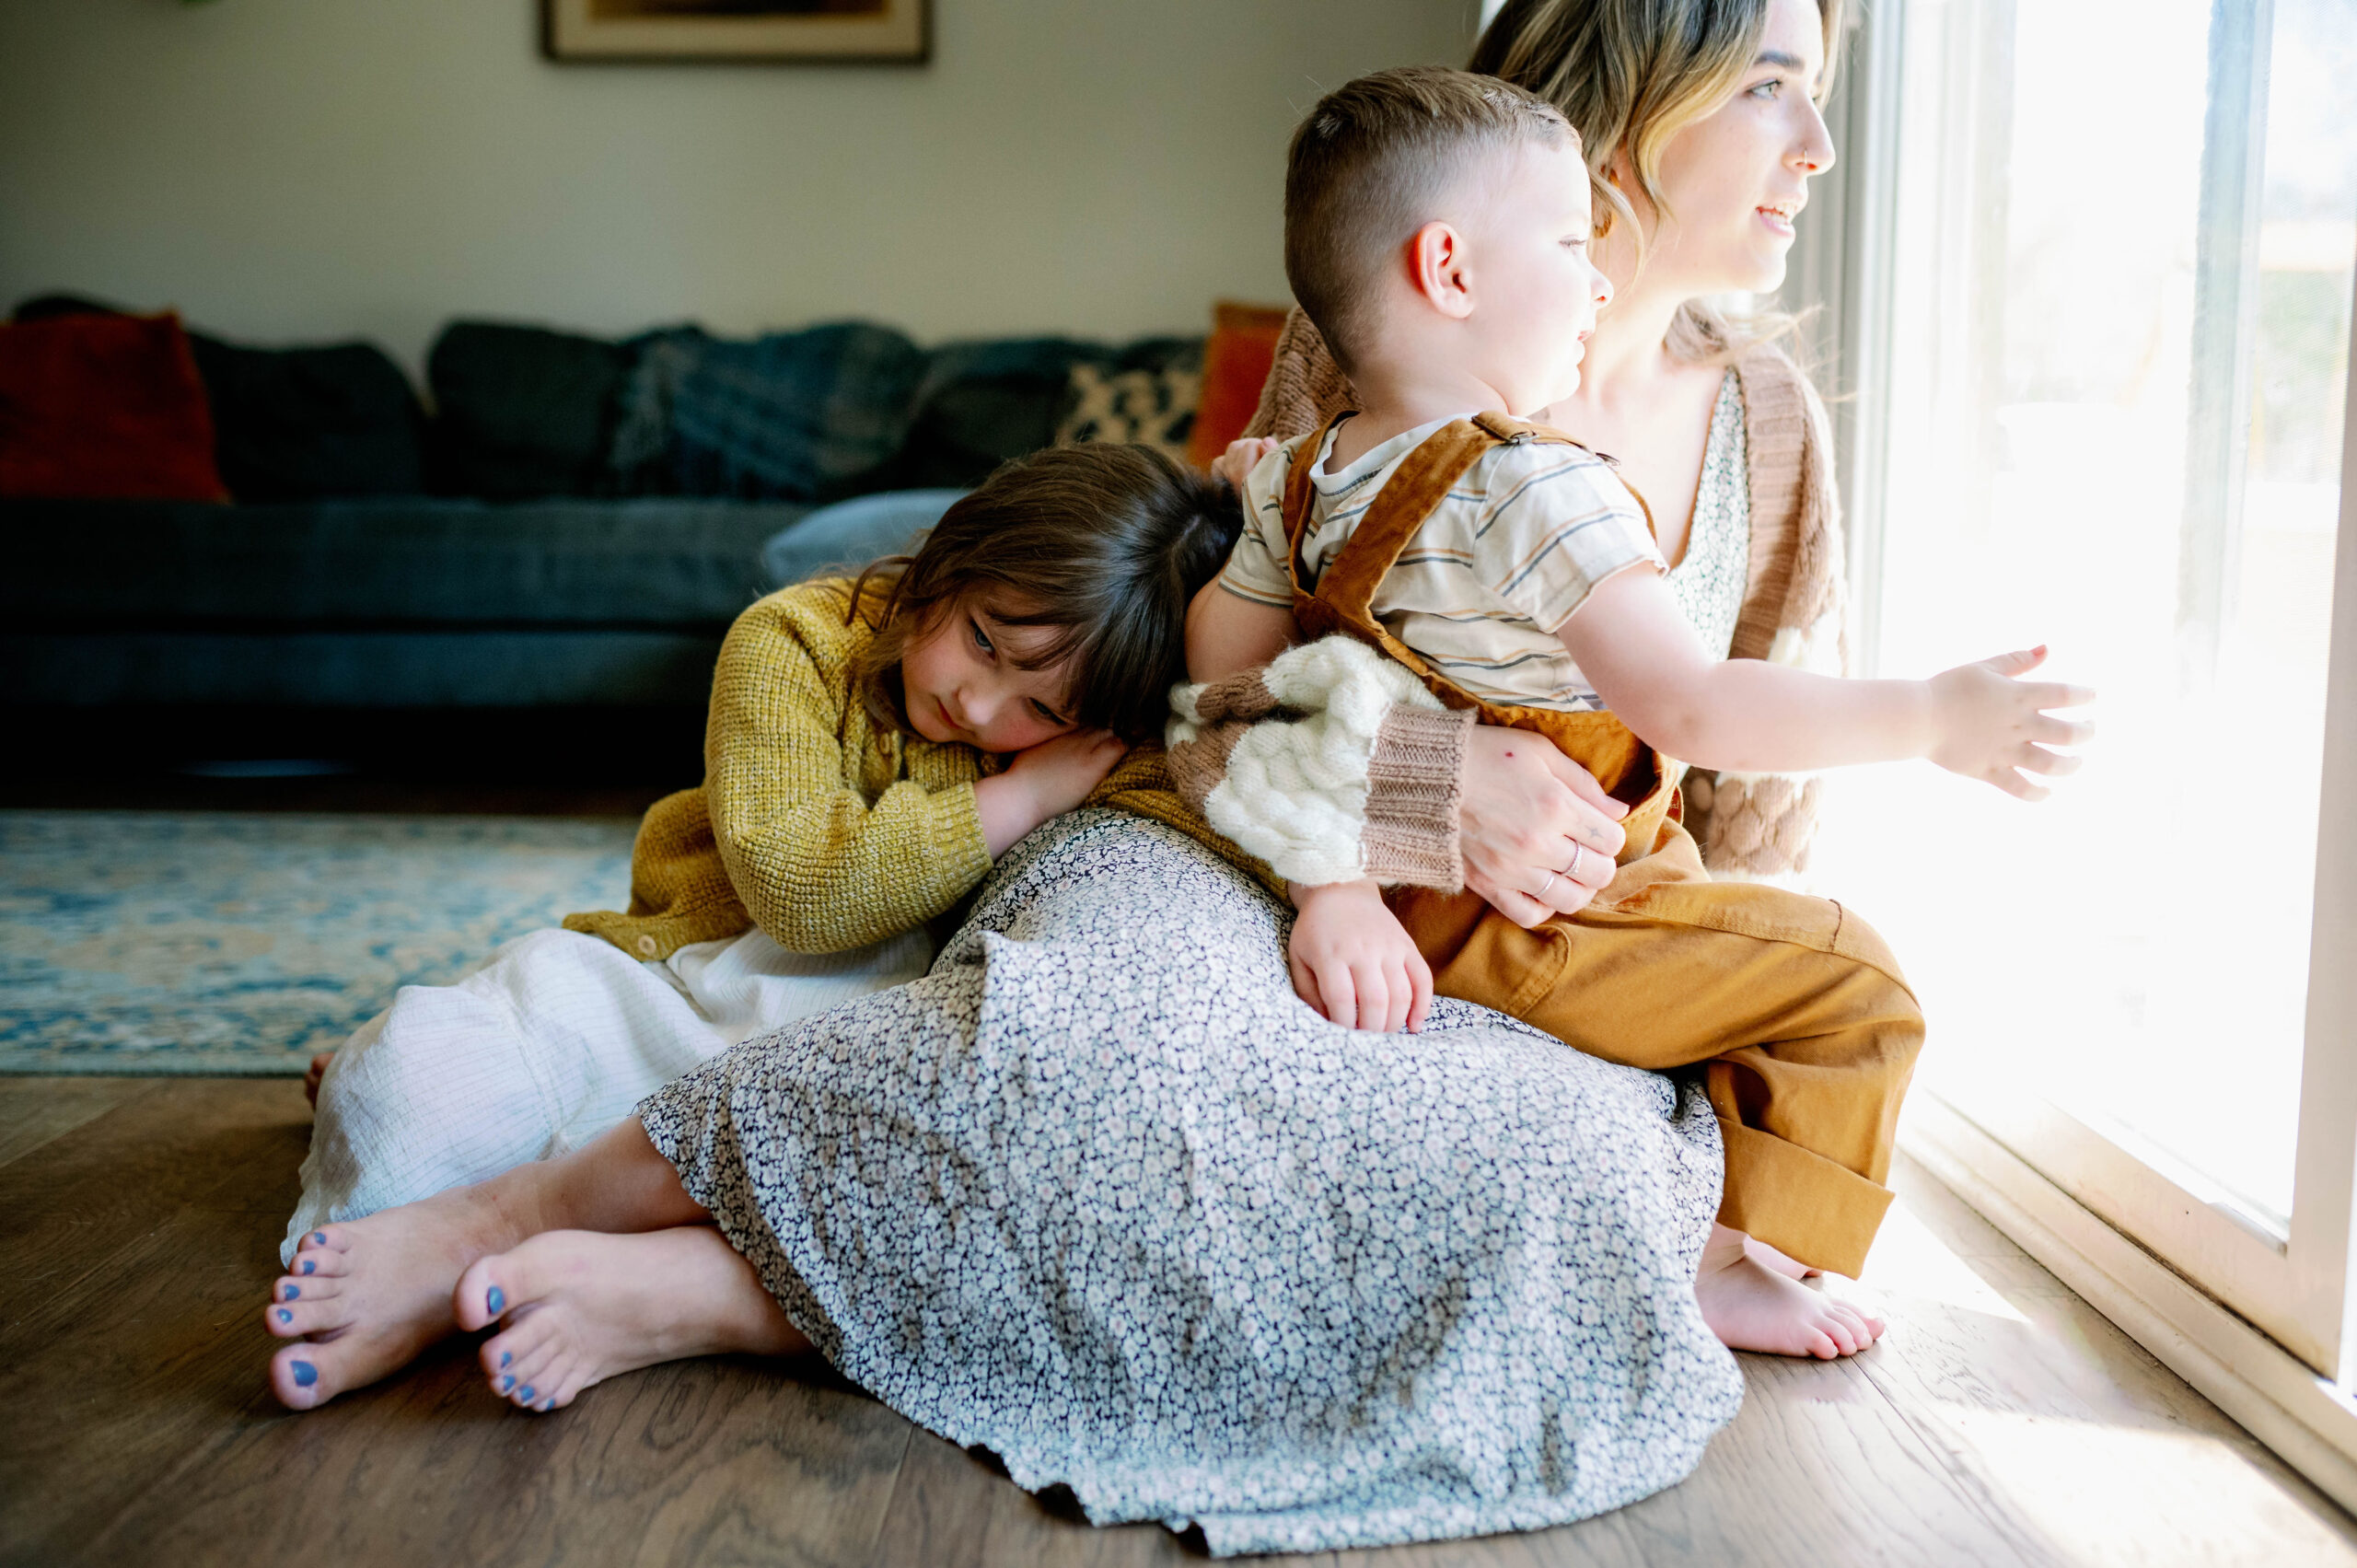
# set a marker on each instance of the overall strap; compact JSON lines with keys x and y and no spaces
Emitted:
{"x":1300,"y":496}
{"x":1344,"y":596}
{"x":1416,"y":487}
{"x":1415,"y":490}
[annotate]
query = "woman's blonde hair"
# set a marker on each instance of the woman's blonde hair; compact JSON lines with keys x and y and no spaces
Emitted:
{"x":1629,"y":74}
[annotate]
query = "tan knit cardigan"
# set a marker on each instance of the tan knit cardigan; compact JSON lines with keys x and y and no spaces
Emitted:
{"x":1795,"y":600}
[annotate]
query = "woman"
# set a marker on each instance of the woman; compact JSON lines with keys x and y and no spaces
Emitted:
{"x":1701,"y":133}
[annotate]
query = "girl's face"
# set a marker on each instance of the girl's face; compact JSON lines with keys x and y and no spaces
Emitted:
{"x":959,"y":682}
{"x":1734,"y":181}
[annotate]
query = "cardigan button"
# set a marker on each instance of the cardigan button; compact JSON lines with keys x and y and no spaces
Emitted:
{"x":647,"y":946}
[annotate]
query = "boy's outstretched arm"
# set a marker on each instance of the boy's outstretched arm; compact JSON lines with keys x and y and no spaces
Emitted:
{"x":1980,"y":720}
{"x":1226,"y":633}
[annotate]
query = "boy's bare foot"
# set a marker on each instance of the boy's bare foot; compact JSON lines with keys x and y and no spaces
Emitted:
{"x":580,"y":1307}
{"x":365,"y":1298}
{"x":319,"y":1069}
{"x":1751,"y":1306}
{"x":1768,"y":1257}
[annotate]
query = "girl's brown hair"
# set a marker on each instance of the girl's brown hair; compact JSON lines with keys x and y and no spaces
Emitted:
{"x":1629,"y":74}
{"x":1104,"y":544}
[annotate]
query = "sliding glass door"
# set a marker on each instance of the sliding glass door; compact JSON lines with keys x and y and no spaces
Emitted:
{"x":2114,"y":382}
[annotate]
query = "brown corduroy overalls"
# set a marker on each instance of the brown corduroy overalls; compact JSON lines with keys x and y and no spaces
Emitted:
{"x":1798,"y":1007}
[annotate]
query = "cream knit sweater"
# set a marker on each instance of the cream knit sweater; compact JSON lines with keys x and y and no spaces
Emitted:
{"x":1793,"y":611}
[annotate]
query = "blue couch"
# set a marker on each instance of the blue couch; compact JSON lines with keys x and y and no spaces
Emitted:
{"x":575,"y":528}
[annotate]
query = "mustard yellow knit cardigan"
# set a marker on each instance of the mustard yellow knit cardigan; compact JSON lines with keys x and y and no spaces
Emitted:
{"x":812,"y":824}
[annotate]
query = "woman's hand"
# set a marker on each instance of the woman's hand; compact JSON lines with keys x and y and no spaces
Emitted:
{"x":1044,"y":781}
{"x":1354,"y":961}
{"x":1537,"y":832}
{"x":1241,"y":458}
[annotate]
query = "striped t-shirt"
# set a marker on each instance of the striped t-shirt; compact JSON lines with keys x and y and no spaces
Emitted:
{"x":1480,"y":589}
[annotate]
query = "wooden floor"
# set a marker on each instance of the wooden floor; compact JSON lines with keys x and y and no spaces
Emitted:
{"x":2002,"y":1420}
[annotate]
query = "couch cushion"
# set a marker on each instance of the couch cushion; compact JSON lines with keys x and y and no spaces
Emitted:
{"x":1153,"y":408}
{"x":296,"y":423}
{"x":849,"y":535}
{"x":242,"y":670}
{"x":422,"y":561}
{"x":796,"y":416}
{"x":986,"y":401}
{"x":521,"y":412}
{"x":300,"y":423}
{"x":104,"y":406}
{"x":1242,"y":347}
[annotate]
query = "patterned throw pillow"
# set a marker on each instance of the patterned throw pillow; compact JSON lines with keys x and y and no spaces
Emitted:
{"x":1155,"y":408}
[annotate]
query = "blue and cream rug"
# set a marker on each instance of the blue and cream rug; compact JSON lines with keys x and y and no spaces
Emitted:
{"x":158,"y":942}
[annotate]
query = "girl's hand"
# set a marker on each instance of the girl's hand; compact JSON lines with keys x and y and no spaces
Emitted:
{"x":1989,"y":724}
{"x":1044,"y":781}
{"x":1241,"y":457}
{"x":1352,"y":961}
{"x":1525,"y":810}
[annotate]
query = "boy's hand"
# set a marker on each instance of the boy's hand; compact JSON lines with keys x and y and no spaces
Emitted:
{"x":1352,"y":961}
{"x":1241,"y":458}
{"x":1044,"y":781}
{"x":1989,"y":724}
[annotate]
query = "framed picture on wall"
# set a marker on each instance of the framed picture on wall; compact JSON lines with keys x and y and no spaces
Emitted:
{"x":842,"y":31}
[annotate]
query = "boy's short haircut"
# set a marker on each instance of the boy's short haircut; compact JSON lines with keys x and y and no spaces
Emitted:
{"x":1368,"y":165}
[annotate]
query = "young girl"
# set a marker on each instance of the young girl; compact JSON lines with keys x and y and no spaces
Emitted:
{"x":872,"y":746}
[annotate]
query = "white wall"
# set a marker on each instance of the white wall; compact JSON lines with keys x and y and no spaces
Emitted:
{"x":288,"y":169}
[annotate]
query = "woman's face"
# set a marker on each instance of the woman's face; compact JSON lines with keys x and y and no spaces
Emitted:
{"x":959,"y":682}
{"x":1733,"y":182}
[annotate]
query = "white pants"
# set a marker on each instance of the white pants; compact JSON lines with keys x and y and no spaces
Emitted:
{"x":553,"y":1041}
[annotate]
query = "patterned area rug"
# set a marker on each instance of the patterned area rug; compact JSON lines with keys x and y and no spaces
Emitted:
{"x":166,"y":943}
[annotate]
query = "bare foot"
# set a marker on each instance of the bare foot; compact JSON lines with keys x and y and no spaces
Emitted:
{"x":365,"y":1298}
{"x":319,"y":1070}
{"x":580,"y":1307}
{"x":1768,"y":1257}
{"x":1750,"y":1307}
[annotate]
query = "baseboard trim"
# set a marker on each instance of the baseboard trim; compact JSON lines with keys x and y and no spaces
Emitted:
{"x":2308,"y":1423}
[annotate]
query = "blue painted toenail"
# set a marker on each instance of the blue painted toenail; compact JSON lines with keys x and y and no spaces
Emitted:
{"x":547,"y":1404}
{"x":496,"y":1301}
{"x":505,"y":1383}
{"x":527,"y":1393}
{"x":505,"y":1358}
{"x":306,"y":1373}
{"x":284,"y":1316}
{"x":310,"y":1264}
{"x":319,"y":1238}
{"x":294,"y":1291}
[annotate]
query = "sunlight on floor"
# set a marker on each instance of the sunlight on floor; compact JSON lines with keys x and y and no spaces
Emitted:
{"x":2098,"y":1489}
{"x":2069,"y":1428}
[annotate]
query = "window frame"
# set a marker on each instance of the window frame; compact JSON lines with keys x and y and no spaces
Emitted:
{"x":2255,"y":1310}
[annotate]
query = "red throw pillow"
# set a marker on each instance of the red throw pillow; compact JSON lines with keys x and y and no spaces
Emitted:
{"x":104,"y":408}
{"x":1235,"y":363}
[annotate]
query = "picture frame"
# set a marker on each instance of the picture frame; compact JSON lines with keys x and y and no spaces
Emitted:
{"x":842,"y":33}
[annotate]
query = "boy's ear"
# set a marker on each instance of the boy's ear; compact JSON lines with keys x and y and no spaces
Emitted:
{"x":1439,"y":271}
